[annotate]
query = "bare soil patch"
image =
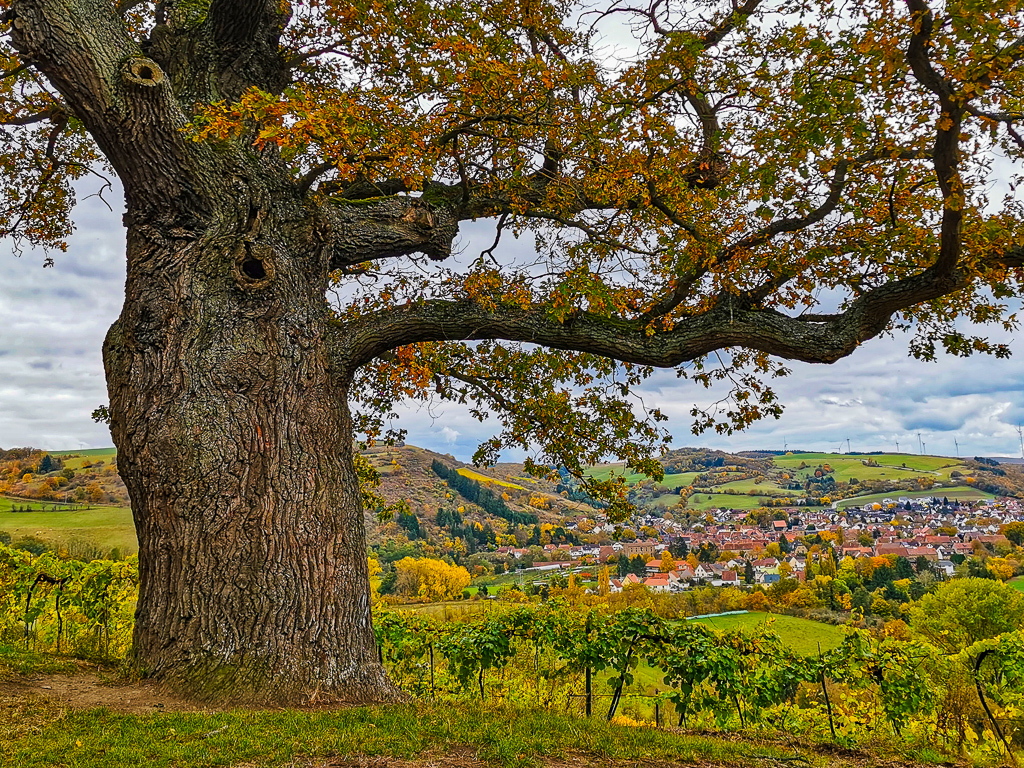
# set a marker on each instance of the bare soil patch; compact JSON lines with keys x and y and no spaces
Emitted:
{"x":89,"y":690}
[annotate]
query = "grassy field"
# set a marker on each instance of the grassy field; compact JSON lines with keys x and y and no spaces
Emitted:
{"x":912,"y":460}
{"x":102,"y":527}
{"x":802,"y":635}
{"x":666,"y":501}
{"x":960,"y":492}
{"x":41,"y":732}
{"x":36,"y":733}
{"x":86,"y":456}
{"x":605,"y":471}
{"x":845,"y":467}
{"x":765,"y":488}
{"x":674,"y":481}
{"x":702,"y":501}
{"x":8,"y":503}
{"x":1017,"y":583}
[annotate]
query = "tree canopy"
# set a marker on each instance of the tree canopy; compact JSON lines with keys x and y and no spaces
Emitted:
{"x":711,"y":185}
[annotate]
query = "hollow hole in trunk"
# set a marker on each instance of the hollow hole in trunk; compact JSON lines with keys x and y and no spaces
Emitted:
{"x":146,"y":73}
{"x":253,"y":269}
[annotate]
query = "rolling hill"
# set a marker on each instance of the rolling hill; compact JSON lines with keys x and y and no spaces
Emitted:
{"x":76,"y":500}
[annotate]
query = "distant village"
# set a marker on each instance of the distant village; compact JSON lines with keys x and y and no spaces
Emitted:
{"x":729,"y":550}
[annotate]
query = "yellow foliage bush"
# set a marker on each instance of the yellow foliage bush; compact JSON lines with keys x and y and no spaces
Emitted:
{"x":430,"y":579}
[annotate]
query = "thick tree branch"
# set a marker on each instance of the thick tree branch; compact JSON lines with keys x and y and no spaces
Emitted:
{"x":723,"y":326}
{"x":917,"y":50}
{"x":246,"y":35}
{"x":124,"y":99}
{"x":947,"y":137}
{"x":380,"y":228}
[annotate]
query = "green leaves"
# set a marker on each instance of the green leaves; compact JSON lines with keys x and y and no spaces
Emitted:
{"x":68,"y":604}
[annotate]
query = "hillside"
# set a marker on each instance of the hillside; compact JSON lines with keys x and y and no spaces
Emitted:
{"x":86,"y":477}
{"x":699,"y":479}
{"x":407,"y":473}
{"x":75,"y":499}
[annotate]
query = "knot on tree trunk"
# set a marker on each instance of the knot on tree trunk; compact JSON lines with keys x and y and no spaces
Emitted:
{"x":436,"y":226}
{"x":254,"y":266}
{"x":144,"y":72}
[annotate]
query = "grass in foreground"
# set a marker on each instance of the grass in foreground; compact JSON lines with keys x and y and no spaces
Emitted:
{"x":15,"y":660}
{"x":38,"y":733}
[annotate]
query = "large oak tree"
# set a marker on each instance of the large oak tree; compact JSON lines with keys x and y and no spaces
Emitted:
{"x":697,"y":175}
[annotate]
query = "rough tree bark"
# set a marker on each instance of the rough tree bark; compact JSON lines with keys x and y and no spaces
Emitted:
{"x":234,"y":440}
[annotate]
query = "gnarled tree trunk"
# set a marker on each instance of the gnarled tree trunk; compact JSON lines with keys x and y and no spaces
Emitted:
{"x":228,"y":377}
{"x":235,"y":442}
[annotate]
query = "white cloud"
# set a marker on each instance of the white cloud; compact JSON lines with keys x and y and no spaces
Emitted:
{"x":450,"y":435}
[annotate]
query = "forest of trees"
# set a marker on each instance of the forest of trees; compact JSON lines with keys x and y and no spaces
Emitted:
{"x":475,"y":493}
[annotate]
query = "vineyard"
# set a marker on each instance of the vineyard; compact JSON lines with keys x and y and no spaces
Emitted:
{"x":553,"y":656}
{"x":67,"y":606}
{"x":628,"y":666}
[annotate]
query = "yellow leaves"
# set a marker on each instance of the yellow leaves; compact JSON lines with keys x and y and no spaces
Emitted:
{"x":430,"y":579}
{"x":374,"y":567}
{"x":540,"y":502}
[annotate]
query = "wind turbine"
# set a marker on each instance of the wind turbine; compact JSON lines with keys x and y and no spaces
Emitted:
{"x":957,"y":447}
{"x":920,"y":444}
{"x":1020,"y":434}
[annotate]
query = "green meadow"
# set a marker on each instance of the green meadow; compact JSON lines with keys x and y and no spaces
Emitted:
{"x":76,"y":459}
{"x":802,"y":635}
{"x":959,"y":492}
{"x":102,"y":527}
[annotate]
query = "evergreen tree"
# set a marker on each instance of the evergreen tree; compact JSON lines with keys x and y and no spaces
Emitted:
{"x":679,"y":549}
{"x":903,"y":568}
{"x":861,"y":600}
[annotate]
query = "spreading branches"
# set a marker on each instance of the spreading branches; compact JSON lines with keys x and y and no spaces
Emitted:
{"x":564,"y":409}
{"x":695,"y":193}
{"x":722,"y":326}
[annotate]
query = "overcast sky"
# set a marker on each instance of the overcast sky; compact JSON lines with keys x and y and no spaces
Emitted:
{"x":51,"y":375}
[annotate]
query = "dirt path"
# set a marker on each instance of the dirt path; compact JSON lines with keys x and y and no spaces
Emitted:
{"x":88,"y":690}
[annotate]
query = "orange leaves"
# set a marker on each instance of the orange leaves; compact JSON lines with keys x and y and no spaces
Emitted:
{"x":365,"y":132}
